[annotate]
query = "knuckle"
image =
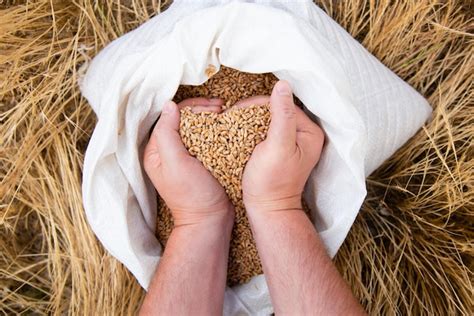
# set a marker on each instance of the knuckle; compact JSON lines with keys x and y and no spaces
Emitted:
{"x":147,"y":161}
{"x":147,"y":164}
{"x":318,"y":131}
{"x":288,"y":111}
{"x":151,"y":160}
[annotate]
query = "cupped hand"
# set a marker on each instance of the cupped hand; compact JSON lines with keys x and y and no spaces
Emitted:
{"x":275,"y":176}
{"x":188,"y":188}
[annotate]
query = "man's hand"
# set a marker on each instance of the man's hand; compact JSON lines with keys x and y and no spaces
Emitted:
{"x":189,"y":190}
{"x":300,"y":275}
{"x":277,"y":171}
{"x":191,"y":275}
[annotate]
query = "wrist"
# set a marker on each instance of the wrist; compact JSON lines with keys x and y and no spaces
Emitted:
{"x":274,"y":221}
{"x":216,"y":218}
{"x":255,"y":205}
{"x":208,"y":232}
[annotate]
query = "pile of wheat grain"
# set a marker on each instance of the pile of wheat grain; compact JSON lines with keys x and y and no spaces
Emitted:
{"x":410,"y":250}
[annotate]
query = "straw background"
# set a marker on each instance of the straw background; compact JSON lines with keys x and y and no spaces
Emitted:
{"x":410,"y":250}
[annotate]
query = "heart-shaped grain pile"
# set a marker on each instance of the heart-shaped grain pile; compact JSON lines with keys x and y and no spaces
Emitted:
{"x":224,"y":143}
{"x":230,"y":85}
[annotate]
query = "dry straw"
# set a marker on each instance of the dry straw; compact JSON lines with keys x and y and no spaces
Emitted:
{"x":410,"y":250}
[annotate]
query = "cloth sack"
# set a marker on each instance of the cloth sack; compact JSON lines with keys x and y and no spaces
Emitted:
{"x":366,"y":111}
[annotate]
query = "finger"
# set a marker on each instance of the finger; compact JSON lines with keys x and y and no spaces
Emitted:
{"x":259,"y":99}
{"x":303,"y":122}
{"x":192,"y":102}
{"x":310,"y":137}
{"x":206,"y":108}
{"x":282,"y":129}
{"x":151,"y":157}
{"x":166,"y":132}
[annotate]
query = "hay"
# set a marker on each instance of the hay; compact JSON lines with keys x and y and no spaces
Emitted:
{"x":410,"y":250}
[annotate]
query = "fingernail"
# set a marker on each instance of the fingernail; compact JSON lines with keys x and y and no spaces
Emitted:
{"x":168,"y":107}
{"x":283,"y":88}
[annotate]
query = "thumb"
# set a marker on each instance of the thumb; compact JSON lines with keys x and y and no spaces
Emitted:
{"x":169,"y":142}
{"x":282,"y":129}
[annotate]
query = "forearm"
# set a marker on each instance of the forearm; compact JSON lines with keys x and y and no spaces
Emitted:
{"x":301,"y":277}
{"x":191,"y":275}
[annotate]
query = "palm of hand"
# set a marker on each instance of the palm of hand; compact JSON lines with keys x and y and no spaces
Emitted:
{"x":186,"y":186}
{"x":200,"y":193}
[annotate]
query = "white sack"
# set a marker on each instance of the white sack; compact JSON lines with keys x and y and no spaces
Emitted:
{"x":366,"y":111}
